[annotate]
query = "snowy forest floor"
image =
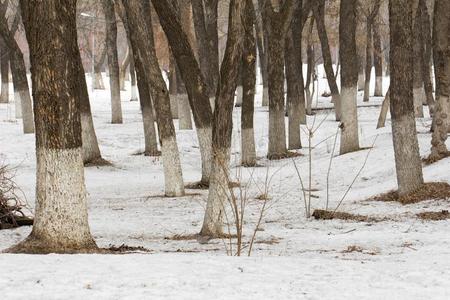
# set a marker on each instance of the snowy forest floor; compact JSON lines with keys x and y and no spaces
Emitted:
{"x":402,"y":257}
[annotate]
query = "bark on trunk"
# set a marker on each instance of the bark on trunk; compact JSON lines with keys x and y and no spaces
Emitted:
{"x":319,"y":16}
{"x":368,"y":68}
{"x":61,"y":218}
{"x":378,"y":58}
{"x":406,"y":147}
{"x":441,"y":44}
{"x":349,"y":77}
{"x":222,"y":129}
{"x":427,"y":58}
{"x":4,"y":67}
{"x":173,"y":89}
{"x":98,"y":64}
{"x":123,"y":68}
{"x":418,"y":84}
{"x":113,"y":61}
{"x":141,"y":36}
{"x":248,"y":153}
{"x":262,"y":53}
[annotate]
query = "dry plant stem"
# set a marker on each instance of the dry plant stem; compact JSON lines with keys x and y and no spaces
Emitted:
{"x":303,"y":187}
{"x":357,"y":175}
{"x":329,"y":168}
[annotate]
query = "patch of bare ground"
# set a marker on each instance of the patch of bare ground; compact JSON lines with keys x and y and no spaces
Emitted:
{"x":199,"y":185}
{"x":99,"y":162}
{"x":164,"y":196}
{"x":320,"y":214}
{"x":263,"y":197}
{"x":434,"y":215}
{"x":271,"y":241}
{"x":287,"y":154}
{"x":428,"y":191}
{"x":359,"y":249}
{"x":124,"y":249}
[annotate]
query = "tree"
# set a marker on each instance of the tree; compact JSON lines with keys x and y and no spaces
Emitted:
{"x":319,"y":16}
{"x":378,"y":58}
{"x":406,"y":147}
{"x":61,"y":219}
{"x":418,"y":46}
{"x":248,"y":155}
{"x":441,"y":44}
{"x":277,"y":19}
{"x":141,"y":35}
{"x":349,"y":77}
{"x":4,"y":68}
{"x":223,"y":122}
{"x":19,"y":72}
{"x":113,"y":60}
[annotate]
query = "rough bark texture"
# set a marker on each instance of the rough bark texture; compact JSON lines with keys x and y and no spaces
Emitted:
{"x":61,"y":221}
{"x":319,"y":15}
{"x":141,"y":36}
{"x":277,"y":24}
{"x":4,"y":66}
{"x":248,"y":154}
{"x":378,"y":58}
{"x":406,"y":147}
{"x":222,"y":128}
{"x":418,"y":46}
{"x":123,"y":68}
{"x":113,"y":61}
{"x":99,"y":61}
{"x":369,"y":64}
{"x":427,"y":55}
{"x":441,"y":44}
{"x":349,"y":77}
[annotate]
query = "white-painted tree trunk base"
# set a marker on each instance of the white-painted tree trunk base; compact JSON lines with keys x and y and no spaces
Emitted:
{"x":248,"y":155}
{"x":407,"y":159}
{"x":441,"y":127}
{"x":91,"y":151}
{"x":212,"y":102}
{"x":61,"y":215}
{"x":134,"y":93}
{"x":184,"y":112}
{"x":17,"y":105}
{"x":4,"y":98}
{"x":217,"y":196}
{"x":173,"y":176}
{"x":240,"y":93}
{"x":174,"y":106}
{"x":378,"y":86}
{"x":265,"y":99}
{"x":277,"y":134}
{"x":419,"y":98}
{"x":349,"y":120}
{"x":205,"y":143}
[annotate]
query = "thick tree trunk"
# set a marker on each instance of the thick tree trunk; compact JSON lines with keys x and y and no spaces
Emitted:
{"x":248,"y":155}
{"x":349,"y":77}
{"x":113,"y":61}
{"x":406,"y":147}
{"x":4,"y":68}
{"x":319,"y":15}
{"x":441,"y":44}
{"x":141,"y":36}
{"x":61,"y":218}
{"x":223,"y":122}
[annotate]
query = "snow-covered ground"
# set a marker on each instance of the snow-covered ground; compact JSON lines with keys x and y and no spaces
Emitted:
{"x":293,"y":258}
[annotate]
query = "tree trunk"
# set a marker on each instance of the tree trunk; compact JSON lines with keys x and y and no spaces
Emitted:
{"x":378,"y":58}
{"x":441,"y":44}
{"x":98,"y":64}
{"x":277,"y":25}
{"x":173,"y":88}
{"x":319,"y":16}
{"x":141,"y":36}
{"x":427,"y":61}
{"x":133,"y":82}
{"x":262,"y":52}
{"x":349,"y":77}
{"x":123,"y":68}
{"x":368,"y":68}
{"x":418,"y":84}
{"x":4,"y":66}
{"x":61,"y":217}
{"x":223,"y":122}
{"x":406,"y":147}
{"x":113,"y":61}
{"x":194,"y":82}
{"x":384,"y":110}
{"x":248,"y":155}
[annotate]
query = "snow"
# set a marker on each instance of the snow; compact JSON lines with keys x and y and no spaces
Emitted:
{"x":294,"y":257}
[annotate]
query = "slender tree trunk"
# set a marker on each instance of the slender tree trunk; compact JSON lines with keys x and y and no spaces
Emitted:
{"x":113,"y":61}
{"x":248,"y":155}
{"x":418,"y":84}
{"x":141,"y":36}
{"x":441,"y":45}
{"x":406,"y":147}
{"x":173,"y":88}
{"x":349,"y":77}
{"x":428,"y":49}
{"x":123,"y":68}
{"x":98,"y":65}
{"x":192,"y":77}
{"x":319,"y":16}
{"x":262,"y":52}
{"x":133,"y":81}
{"x":384,"y":110}
{"x":378,"y":58}
{"x":223,"y":122}
{"x":368,"y":68}
{"x":61,"y":218}
{"x":4,"y":67}
{"x":310,"y":57}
